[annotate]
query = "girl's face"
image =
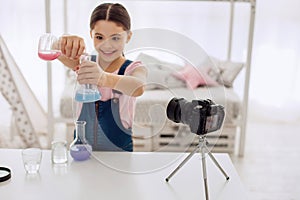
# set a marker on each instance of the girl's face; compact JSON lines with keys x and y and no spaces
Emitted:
{"x":109,"y":40}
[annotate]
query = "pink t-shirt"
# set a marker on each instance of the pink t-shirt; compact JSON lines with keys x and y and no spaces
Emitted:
{"x":127,"y":103}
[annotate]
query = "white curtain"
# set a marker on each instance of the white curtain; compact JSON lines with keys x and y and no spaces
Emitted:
{"x":275,"y":82}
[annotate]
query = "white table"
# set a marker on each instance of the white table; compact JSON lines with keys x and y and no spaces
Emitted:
{"x":117,"y":175}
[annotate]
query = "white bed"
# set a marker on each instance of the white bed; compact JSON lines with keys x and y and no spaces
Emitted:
{"x":150,"y":135}
{"x":153,"y":131}
{"x":148,"y":106}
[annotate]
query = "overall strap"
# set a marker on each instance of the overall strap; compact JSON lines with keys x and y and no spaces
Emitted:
{"x":124,"y":66}
{"x":94,"y":58}
{"x":122,"y":72}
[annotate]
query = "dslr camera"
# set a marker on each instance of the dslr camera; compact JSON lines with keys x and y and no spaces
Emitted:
{"x":202,"y":116}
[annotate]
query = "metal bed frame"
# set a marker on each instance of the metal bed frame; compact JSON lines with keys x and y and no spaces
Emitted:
{"x":244,"y":112}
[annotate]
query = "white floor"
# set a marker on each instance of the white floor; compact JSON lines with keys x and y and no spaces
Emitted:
{"x":270,"y":167}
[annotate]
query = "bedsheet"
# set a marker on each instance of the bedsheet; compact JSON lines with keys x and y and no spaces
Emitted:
{"x":151,"y":106}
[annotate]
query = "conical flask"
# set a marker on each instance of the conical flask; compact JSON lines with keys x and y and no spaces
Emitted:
{"x":87,"y":92}
{"x":80,"y":149}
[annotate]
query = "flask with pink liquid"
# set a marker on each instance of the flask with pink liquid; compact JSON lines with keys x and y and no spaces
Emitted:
{"x":48,"y":47}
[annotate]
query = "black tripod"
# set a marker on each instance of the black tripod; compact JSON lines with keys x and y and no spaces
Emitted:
{"x":203,"y":147}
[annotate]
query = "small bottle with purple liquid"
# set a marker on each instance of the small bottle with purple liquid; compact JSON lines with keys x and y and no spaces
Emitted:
{"x":80,"y":149}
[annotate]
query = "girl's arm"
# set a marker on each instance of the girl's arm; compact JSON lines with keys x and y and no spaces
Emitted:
{"x":132,"y":85}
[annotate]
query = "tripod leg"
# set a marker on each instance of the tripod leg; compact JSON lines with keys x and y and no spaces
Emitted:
{"x":182,"y":163}
{"x":204,"y":172}
{"x":217,"y":164}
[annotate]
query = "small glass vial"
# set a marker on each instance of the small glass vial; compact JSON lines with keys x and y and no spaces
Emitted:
{"x":59,"y":152}
{"x":80,"y":149}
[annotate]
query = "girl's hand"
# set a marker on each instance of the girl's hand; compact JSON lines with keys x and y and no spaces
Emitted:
{"x":90,"y":73}
{"x":72,"y":46}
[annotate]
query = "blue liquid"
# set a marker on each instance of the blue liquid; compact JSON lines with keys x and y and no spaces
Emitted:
{"x":87,"y":95}
{"x":81,"y":152}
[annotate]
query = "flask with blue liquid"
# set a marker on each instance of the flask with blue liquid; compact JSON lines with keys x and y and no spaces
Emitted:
{"x":87,"y":93}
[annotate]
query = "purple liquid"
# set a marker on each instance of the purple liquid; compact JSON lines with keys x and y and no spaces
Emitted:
{"x":81,"y":152}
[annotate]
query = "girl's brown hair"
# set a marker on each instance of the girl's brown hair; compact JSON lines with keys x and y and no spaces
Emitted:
{"x":111,"y":12}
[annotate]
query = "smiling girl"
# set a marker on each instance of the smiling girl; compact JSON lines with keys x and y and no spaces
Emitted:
{"x":109,"y":120}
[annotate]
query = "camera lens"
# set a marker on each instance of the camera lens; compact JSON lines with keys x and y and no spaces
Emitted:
{"x":173,"y":110}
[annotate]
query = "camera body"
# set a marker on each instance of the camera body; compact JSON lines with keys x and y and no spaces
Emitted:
{"x":202,"y":116}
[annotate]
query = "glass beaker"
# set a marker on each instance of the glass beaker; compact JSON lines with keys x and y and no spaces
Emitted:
{"x":48,"y":47}
{"x":32,"y":159}
{"x":80,"y":149}
{"x":87,"y":92}
{"x":59,"y":152}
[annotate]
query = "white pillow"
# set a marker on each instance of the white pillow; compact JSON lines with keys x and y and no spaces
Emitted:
{"x":159,"y":73}
{"x":228,"y":72}
{"x":160,"y":64}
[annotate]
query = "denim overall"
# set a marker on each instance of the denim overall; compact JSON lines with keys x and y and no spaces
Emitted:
{"x":104,"y":129}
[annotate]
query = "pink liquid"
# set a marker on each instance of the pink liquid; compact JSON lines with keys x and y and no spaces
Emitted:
{"x":49,"y":55}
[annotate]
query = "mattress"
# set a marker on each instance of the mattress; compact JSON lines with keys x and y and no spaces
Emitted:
{"x":151,"y":106}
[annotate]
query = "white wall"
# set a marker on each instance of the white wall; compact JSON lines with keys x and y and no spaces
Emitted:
{"x":275,"y":77}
